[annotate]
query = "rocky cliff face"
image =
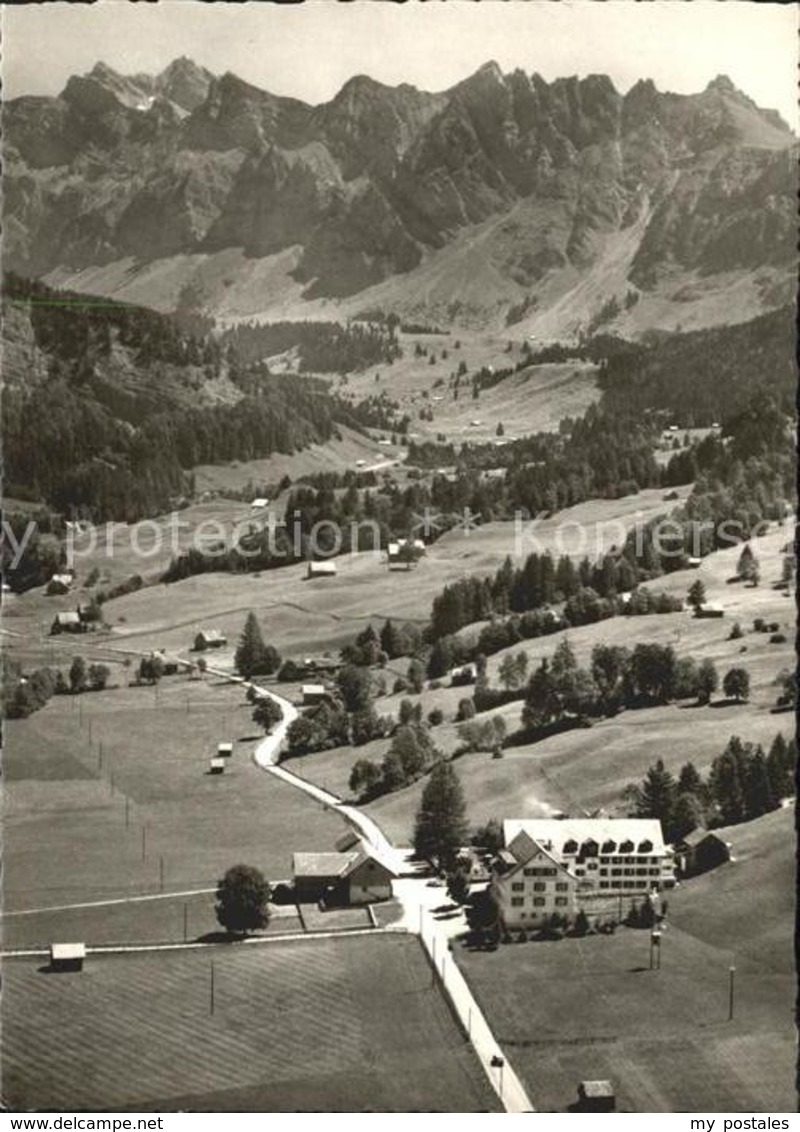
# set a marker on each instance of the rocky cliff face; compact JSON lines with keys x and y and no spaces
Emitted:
{"x":370,"y":185}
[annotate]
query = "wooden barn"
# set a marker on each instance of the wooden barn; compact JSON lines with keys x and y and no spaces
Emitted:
{"x":710,"y":609}
{"x":209,"y":639}
{"x":339,"y":879}
{"x":700,"y":851}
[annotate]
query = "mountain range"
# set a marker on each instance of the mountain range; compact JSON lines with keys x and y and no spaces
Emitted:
{"x":504,"y":200}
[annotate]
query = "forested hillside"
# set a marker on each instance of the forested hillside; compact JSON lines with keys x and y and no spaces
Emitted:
{"x":706,"y":375}
{"x":107,"y":405}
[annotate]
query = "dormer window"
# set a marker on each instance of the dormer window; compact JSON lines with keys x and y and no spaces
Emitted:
{"x":589,"y":848}
{"x":570,"y":846}
{"x":645,"y":846}
{"x":626,"y":847}
{"x":609,"y":847}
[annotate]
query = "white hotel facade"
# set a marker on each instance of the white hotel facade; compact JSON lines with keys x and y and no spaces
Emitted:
{"x":600,"y":865}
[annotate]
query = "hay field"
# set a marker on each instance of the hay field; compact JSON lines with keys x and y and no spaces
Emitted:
{"x":361,"y":1029}
{"x":65,"y":833}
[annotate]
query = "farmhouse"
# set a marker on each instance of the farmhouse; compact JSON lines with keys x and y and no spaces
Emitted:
{"x":217,"y":766}
{"x":321,"y":570}
{"x":67,"y":956}
{"x":355,"y":877}
{"x":224,"y":750}
{"x":700,"y":851}
{"x":600,"y":865}
{"x":259,"y":504}
{"x":209,"y":639}
{"x":69,"y":622}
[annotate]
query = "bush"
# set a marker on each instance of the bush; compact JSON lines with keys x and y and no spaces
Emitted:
{"x":778,"y":639}
{"x":435,"y":717}
{"x":466,"y":710}
{"x":290,"y":671}
{"x":760,"y":625}
{"x":736,"y":632}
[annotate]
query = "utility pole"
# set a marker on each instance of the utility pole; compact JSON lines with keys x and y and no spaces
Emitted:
{"x":211,"y":989}
{"x":144,"y":842}
{"x":731,"y":984}
{"x":127,"y":811}
{"x":655,"y":950}
{"x":160,"y":873}
{"x":185,"y":922}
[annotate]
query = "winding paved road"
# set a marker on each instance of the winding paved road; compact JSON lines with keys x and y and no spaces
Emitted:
{"x":418,"y":898}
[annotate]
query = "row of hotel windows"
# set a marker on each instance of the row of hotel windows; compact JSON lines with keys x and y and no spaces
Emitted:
{"x":539,"y":901}
{"x":539,"y":871}
{"x":539,"y":886}
{"x":643,"y":882}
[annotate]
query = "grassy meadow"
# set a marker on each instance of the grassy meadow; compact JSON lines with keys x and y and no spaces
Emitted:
{"x":591,"y":1008}
{"x":66,"y":838}
{"x":360,"y":1029}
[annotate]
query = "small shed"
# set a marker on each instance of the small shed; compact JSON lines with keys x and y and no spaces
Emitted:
{"x":259,"y":504}
{"x":596,"y":1096}
{"x":693,"y":563}
{"x":67,"y":956}
{"x":217,"y":766}
{"x":224,"y":750}
{"x":321,"y":570}
{"x":710,"y":609}
{"x":313,"y":693}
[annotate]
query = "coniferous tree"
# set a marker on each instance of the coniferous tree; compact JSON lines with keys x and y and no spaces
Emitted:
{"x":441,"y":827}
{"x":687,"y":814}
{"x":78,"y":675}
{"x":250,"y":652}
{"x":725,"y":781}
{"x":758,"y":795}
{"x":697,"y":595}
{"x":656,"y":795}
{"x":781,"y":767}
